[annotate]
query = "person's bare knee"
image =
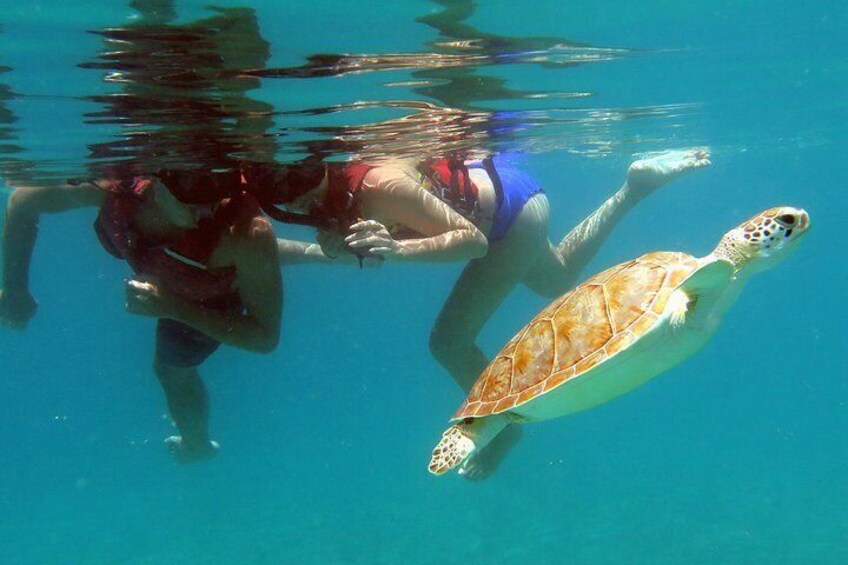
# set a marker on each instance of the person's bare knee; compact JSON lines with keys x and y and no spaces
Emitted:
{"x":549,"y":277}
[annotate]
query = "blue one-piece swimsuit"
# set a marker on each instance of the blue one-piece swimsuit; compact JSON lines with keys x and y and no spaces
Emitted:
{"x":512,"y":193}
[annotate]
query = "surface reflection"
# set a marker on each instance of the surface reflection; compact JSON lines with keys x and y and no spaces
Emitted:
{"x":200,"y":94}
{"x":461,"y":97}
{"x":12,"y":165}
{"x":181,"y":99}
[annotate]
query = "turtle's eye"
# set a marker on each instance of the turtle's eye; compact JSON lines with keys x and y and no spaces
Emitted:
{"x":787,"y":219}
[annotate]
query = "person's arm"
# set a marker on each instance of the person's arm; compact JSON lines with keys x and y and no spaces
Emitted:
{"x":398,"y":198}
{"x":23,"y":210}
{"x":293,"y":252}
{"x":259,"y":283}
{"x":329,"y":249}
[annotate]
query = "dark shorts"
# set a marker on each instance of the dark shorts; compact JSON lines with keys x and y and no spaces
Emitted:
{"x":180,"y":345}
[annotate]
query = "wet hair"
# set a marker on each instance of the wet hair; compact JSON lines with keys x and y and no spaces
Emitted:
{"x":197,"y":186}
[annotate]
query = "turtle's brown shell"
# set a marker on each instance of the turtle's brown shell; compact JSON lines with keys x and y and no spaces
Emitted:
{"x":581,"y":329}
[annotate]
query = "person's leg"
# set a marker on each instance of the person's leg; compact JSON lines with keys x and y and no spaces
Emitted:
{"x":481,"y":288}
{"x":179,"y":350}
{"x":559,"y":266}
{"x":188,"y":402}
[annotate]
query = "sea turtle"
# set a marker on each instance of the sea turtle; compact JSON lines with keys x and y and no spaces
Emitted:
{"x":614,"y":332}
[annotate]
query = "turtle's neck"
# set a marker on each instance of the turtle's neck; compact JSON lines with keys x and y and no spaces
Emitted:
{"x":727,"y":251}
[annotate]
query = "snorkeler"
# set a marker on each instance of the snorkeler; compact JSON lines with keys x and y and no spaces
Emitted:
{"x":205,"y":267}
{"x":485,"y":212}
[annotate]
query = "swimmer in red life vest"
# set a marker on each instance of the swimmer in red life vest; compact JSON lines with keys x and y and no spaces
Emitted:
{"x":206,"y":267}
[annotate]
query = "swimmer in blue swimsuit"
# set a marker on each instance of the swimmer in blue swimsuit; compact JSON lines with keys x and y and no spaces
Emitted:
{"x":503,"y":238}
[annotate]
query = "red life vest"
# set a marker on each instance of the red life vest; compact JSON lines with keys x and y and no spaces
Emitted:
{"x":181,"y":266}
{"x":447,"y":179}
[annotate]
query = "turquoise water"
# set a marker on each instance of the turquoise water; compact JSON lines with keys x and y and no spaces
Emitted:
{"x":736,"y":456}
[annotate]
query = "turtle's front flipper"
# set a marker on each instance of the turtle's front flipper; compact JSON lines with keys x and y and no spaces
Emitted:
{"x":704,"y":289}
{"x":462,"y":439}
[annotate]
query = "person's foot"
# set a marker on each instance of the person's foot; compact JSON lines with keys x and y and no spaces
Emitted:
{"x":185,"y":454}
{"x":481,"y":464}
{"x":646,"y":175}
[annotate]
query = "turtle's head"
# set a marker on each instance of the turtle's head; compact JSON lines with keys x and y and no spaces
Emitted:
{"x":764,"y":240}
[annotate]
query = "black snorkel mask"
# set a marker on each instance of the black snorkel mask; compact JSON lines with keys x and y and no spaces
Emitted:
{"x":317,"y":217}
{"x":275,"y":186}
{"x":310,"y":219}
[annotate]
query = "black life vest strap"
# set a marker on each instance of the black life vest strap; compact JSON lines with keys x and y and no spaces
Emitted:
{"x":489,"y":167}
{"x":460,"y":183}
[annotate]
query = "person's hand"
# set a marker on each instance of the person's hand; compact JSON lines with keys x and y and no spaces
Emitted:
{"x":646,"y":175}
{"x":334,"y":246}
{"x":370,"y":238}
{"x":145,"y":298}
{"x":17,"y":307}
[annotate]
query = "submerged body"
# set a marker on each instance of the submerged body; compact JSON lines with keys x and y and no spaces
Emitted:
{"x":424,"y":213}
{"x":613,"y":333}
{"x":204,"y":267}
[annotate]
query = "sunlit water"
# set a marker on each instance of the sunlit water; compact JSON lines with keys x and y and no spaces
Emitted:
{"x":736,"y":456}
